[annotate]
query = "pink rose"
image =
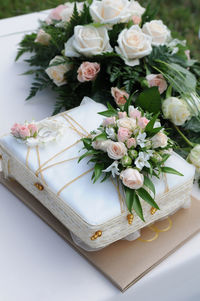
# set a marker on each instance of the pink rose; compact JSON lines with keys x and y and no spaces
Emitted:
{"x":122,"y":115}
{"x":15,"y":130}
{"x":159,"y":140}
{"x":116,"y":150}
{"x":119,"y":96}
{"x":157,"y":80}
{"x":134,"y":113}
{"x":136,"y":20}
{"x":24,"y":132}
{"x":109,"y":121}
{"x":88,"y":71}
{"x":33,"y":129}
{"x":142,"y":122}
{"x":123,"y":134}
{"x":131,"y":142}
{"x":43,"y":38}
{"x":132,"y":178}
{"x":55,"y":14}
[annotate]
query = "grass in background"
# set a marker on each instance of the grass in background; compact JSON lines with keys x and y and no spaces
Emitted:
{"x":181,"y":16}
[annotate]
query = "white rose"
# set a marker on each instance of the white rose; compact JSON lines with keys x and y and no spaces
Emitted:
{"x":159,"y":140}
{"x":48,"y":131}
{"x":101,"y":145}
{"x":43,"y":37}
{"x":133,"y":45}
{"x":116,"y":150}
{"x":159,"y":32}
{"x":194,"y":156}
{"x":176,"y":110}
{"x":67,"y":13}
{"x":57,"y":72}
{"x":128,"y":123}
{"x":136,"y":9}
{"x":110,"y":11}
{"x":88,"y":41}
{"x":132,"y":178}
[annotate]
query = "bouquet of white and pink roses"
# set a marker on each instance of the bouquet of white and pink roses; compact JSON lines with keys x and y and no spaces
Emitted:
{"x":132,"y":145}
{"x":115,"y":48}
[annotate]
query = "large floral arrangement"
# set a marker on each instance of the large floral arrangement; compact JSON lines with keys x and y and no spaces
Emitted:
{"x":115,"y":48}
{"x":132,"y":145}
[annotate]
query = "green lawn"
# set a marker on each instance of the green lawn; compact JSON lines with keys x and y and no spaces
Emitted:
{"x":182,"y":16}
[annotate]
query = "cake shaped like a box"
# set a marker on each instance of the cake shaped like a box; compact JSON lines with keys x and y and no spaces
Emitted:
{"x":53,"y":175}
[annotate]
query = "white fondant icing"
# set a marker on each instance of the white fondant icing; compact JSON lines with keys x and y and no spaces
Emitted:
{"x":95,"y":203}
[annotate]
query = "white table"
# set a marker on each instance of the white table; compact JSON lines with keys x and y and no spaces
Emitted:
{"x":35,"y":263}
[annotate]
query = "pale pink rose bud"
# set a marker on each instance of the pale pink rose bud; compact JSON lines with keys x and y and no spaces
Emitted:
{"x":122,"y":115}
{"x":15,"y":130}
{"x":101,"y":145}
{"x":131,"y":142}
{"x":109,"y":121}
{"x":136,"y":20}
{"x":134,"y":113}
{"x":142,"y":122}
{"x":55,"y":14}
{"x":123,"y":134}
{"x":159,"y":140}
{"x":132,"y":178}
{"x":24,"y":132}
{"x":187,"y":53}
{"x":43,"y":37}
{"x":88,"y":71}
{"x":33,"y":129}
{"x":116,"y":150}
{"x":157,"y":80}
{"x":119,"y":96}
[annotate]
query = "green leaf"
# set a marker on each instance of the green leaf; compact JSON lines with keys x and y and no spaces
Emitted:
{"x":170,"y":170}
{"x":128,"y":102}
{"x":148,"y":183}
{"x":149,"y":100}
{"x":87,"y":154}
{"x":100,"y":137}
{"x":147,"y":197}
{"x":150,"y":126}
{"x":108,"y":113}
{"x":137,"y":206}
{"x":87,"y":143}
{"x":129,"y":198}
{"x":193,"y":125}
{"x":97,"y":171}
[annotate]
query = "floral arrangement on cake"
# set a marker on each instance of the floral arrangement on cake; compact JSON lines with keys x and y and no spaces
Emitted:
{"x":37,"y":133}
{"x":115,"y":48}
{"x":133,"y":146}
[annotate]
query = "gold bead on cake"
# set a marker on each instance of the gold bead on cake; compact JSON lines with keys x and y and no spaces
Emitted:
{"x":130,"y":218}
{"x":39,"y":186}
{"x":96,"y":235}
{"x":153,"y":210}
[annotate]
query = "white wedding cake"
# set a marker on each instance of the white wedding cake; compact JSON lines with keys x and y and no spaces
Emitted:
{"x":95,"y":213}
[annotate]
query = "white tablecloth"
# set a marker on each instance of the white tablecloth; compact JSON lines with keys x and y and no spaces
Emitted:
{"x":35,"y":263}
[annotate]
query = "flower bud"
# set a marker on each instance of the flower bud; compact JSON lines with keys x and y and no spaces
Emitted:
{"x":126,"y":161}
{"x":133,"y":153}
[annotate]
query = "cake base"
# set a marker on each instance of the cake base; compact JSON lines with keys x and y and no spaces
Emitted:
{"x":130,"y":260}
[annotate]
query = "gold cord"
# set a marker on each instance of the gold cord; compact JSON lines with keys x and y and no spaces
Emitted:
{"x":73,"y":127}
{"x":27,"y":156}
{"x":38,"y":157}
{"x":56,"y":155}
{"x":79,"y":125}
{"x":58,"y":163}
{"x":72,"y":181}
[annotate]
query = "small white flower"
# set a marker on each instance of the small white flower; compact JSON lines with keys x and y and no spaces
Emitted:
{"x":141,"y":139}
{"x":113,"y":168}
{"x":142,"y":160}
{"x":111,"y":133}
